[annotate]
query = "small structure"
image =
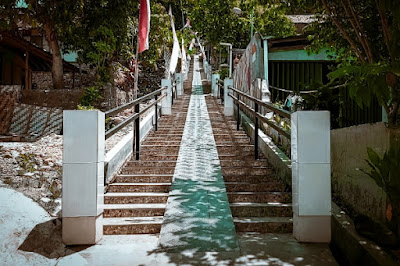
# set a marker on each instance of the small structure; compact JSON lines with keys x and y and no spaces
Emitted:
{"x":20,"y":60}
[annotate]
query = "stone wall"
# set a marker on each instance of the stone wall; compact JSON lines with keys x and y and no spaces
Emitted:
{"x":348,"y":154}
{"x":44,"y":81}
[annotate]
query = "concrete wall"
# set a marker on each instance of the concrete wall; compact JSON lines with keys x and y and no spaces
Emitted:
{"x":348,"y":155}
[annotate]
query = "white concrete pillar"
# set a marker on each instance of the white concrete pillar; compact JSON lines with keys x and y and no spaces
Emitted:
{"x":214,"y":84}
{"x":179,"y":83}
{"x":311,"y":176}
{"x":228,"y":101}
{"x":205,"y":67}
{"x":83,"y":177}
{"x":209,"y":72}
{"x":167,"y":101}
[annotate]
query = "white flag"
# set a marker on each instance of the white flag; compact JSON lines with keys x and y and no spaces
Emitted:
{"x":175,"y":49}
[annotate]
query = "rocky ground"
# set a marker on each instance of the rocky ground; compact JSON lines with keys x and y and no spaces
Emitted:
{"x":35,"y":169}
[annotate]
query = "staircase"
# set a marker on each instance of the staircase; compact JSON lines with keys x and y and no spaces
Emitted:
{"x":258,"y":201}
{"x":135,"y":201}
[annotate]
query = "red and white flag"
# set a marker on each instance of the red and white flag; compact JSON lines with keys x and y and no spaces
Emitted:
{"x":144,"y":25}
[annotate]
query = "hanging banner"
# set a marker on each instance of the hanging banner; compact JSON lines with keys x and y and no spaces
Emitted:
{"x":192,"y":44}
{"x":201,"y":47}
{"x":183,"y":60}
{"x":144,"y":25}
{"x":175,"y":49}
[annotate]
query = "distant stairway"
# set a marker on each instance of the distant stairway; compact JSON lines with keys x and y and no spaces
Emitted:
{"x":258,"y":201}
{"x":135,"y":201}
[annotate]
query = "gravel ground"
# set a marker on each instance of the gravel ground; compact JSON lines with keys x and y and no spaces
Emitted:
{"x":35,"y":169}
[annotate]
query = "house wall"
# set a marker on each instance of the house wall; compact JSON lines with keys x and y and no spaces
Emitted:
{"x":348,"y":155}
{"x":12,"y":70}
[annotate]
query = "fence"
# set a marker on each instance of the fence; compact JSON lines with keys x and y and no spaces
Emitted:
{"x":310,"y":162}
{"x":84,"y":159}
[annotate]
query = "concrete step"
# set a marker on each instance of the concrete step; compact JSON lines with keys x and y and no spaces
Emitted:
{"x":241,"y":163}
{"x":162,"y":142}
{"x":223,"y":134}
{"x":246,"y":170}
{"x":133,"y":210}
{"x":139,"y":187}
{"x":260,"y":197}
{"x":135,"y":198}
{"x":140,"y":178}
{"x":162,"y":133}
{"x":252,"y":209}
{"x":251,"y":187}
{"x":277,"y":225}
{"x":159,"y":149}
{"x":158,"y":157}
{"x":148,"y":170}
{"x":235,"y":150}
{"x":132,"y":225}
{"x":140,"y":163}
{"x":253,"y":179}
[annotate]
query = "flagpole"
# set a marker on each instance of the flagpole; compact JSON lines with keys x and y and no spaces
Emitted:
{"x":136,"y":126}
{"x":135,"y":86}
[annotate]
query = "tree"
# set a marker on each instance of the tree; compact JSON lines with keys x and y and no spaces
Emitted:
{"x":216,"y":22}
{"x":365,"y":35}
{"x":52,"y":17}
{"x":74,"y":25}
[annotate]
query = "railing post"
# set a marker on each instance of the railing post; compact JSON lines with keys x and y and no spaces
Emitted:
{"x":209,"y":72}
{"x":238,"y":112}
{"x":166,"y":102}
{"x":83,"y":177}
{"x":214,"y":85}
{"x":256,"y":132}
{"x":311,"y":176}
{"x":137,"y":133}
{"x":228,"y":101}
{"x":156,"y":114}
{"x":179,"y":83}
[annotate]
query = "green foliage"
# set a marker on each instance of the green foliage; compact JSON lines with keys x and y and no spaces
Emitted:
{"x":160,"y":36}
{"x":103,"y":48}
{"x":365,"y":80}
{"x":223,"y":73}
{"x":385,"y":171}
{"x":365,"y":36}
{"x":325,"y":98}
{"x":216,"y":22}
{"x":109,"y":123}
{"x":27,"y":163}
{"x":89,"y":98}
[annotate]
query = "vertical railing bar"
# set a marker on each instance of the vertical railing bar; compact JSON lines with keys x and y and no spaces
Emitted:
{"x":238,"y":112}
{"x":137,"y":132}
{"x":156,"y":114}
{"x":256,"y":132}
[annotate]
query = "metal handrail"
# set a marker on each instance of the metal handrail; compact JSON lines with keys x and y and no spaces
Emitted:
{"x":261,"y":117}
{"x":255,"y":112}
{"x":118,"y":127}
{"x":269,"y":106}
{"x":123,"y":107}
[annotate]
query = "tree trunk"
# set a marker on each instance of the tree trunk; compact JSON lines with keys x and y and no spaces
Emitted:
{"x":57,"y":69}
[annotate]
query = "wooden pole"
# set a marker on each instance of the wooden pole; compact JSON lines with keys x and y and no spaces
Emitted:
{"x":27,"y":85}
